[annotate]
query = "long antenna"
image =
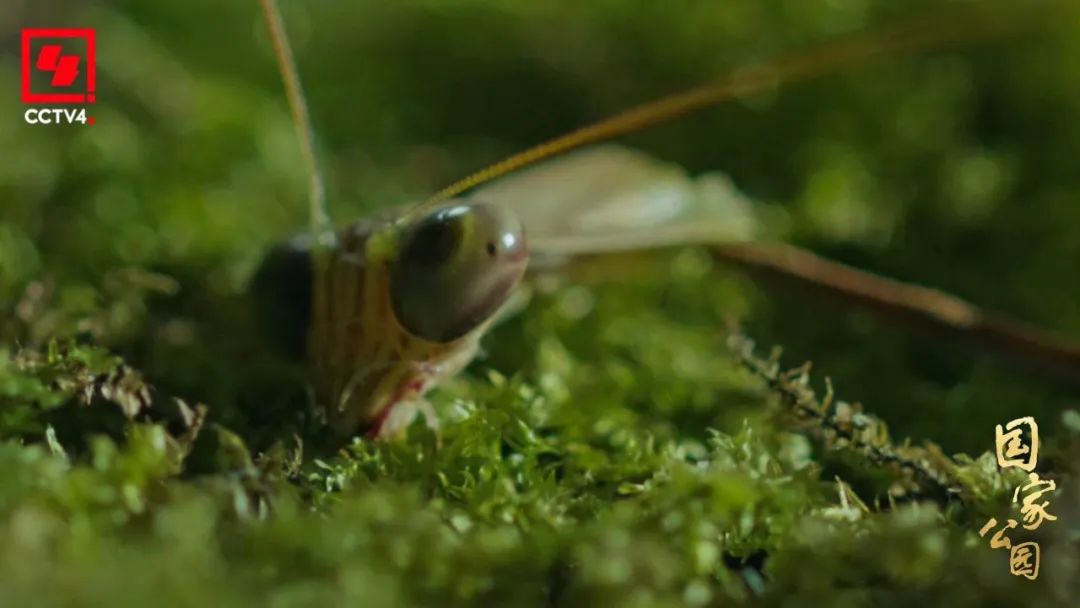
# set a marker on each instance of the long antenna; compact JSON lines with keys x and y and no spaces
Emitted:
{"x":916,"y":34}
{"x":322,"y":230}
{"x":318,"y":214}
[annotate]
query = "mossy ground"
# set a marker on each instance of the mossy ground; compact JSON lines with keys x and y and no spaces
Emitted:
{"x":615,"y":444}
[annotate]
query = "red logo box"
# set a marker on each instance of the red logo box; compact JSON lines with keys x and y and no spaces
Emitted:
{"x":62,"y":66}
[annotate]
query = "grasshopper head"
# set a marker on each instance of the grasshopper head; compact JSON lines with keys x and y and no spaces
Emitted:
{"x":455,"y":268}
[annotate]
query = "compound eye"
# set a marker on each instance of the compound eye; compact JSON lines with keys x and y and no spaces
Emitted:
{"x":435,"y":240}
{"x":455,"y":269}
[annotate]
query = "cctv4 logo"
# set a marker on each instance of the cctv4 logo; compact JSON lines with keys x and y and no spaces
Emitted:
{"x":58,"y":67}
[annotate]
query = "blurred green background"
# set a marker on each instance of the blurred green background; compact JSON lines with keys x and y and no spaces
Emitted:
{"x":954,"y":168}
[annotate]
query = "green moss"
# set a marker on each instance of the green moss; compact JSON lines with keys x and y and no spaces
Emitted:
{"x":613,"y":445}
{"x":530,"y":495}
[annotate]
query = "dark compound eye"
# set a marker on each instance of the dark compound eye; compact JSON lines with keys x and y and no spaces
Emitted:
{"x":455,"y":268}
{"x":435,"y":238}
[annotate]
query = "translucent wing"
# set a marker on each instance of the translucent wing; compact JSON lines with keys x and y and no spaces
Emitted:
{"x":610,"y":198}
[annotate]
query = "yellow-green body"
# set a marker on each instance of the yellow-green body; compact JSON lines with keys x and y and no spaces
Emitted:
{"x":394,"y":313}
{"x":364,"y":362}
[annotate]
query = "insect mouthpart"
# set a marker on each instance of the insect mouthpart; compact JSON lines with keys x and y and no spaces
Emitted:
{"x":455,"y":268}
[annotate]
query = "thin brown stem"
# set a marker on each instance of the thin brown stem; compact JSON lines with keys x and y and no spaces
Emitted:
{"x":929,"y":309}
{"x":838,"y":425}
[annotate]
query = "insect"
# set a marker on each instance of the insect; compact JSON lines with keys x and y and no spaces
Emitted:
{"x":389,"y":306}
